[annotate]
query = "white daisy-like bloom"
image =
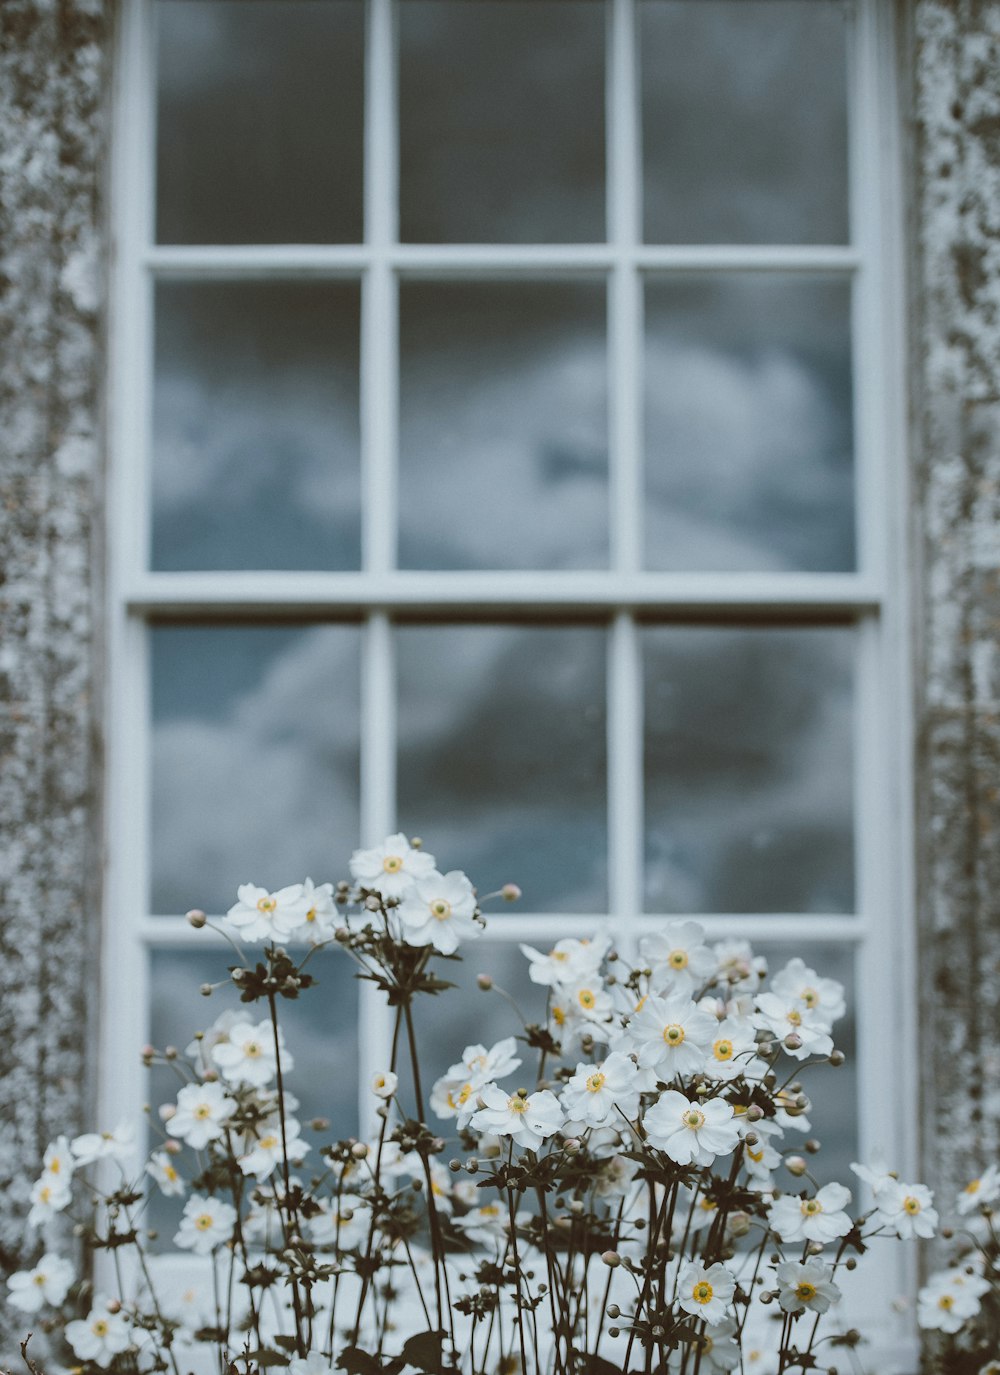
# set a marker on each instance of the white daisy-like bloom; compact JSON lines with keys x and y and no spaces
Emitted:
{"x":486,"y":1225}
{"x":58,"y":1163}
{"x":313,"y":1364}
{"x":439,"y":910}
{"x":598,"y":1094}
{"x":985,"y":1189}
{"x":581,"y":1008}
{"x":267,"y":1150}
{"x":738,"y":967}
{"x":678,"y":958}
{"x":944,"y":1306}
{"x":47,"y":1282}
{"x":719,"y":1349}
{"x":341,"y":1224}
{"x":526,"y":1119}
{"x":161,"y":1168}
{"x":732,"y":1051}
{"x":201,"y":1115}
{"x":385,"y":1084}
{"x":616,"y":1175}
{"x":907,"y":1209}
{"x":200,"y":1049}
{"x":390,"y":868}
{"x":206,"y":1223}
{"x":114,"y":1145}
{"x":798,"y":983}
{"x":258,"y":915}
{"x":47,"y":1199}
{"x":761,"y":1159}
{"x":691,"y":1132}
{"x":782,"y":1016}
{"x":100,"y":1336}
{"x":453,"y":1097}
{"x":320,"y":919}
{"x":807,"y":1284}
{"x":693,"y":1212}
{"x":875,"y":1174}
{"x":482,"y":1065}
{"x":671,"y":1035}
{"x":568,"y":961}
{"x":821,"y":1218}
{"x":705,"y":1292}
{"x":250,"y":1054}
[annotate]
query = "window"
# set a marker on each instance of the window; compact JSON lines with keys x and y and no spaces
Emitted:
{"x":504,"y":448}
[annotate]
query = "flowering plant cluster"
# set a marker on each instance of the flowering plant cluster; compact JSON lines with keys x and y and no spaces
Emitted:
{"x":612,"y":1189}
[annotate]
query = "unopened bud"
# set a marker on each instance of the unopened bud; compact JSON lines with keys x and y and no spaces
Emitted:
{"x":170,"y":1053}
{"x":342,"y":935}
{"x":206,"y":990}
{"x":739,"y":1224}
{"x":510,"y":892}
{"x":793,"y":1041}
{"x":814,"y":1248}
{"x":454,"y":1166}
{"x":196,"y":918}
{"x":796,"y":1164}
{"x":611,"y":1259}
{"x":837,"y":1058}
{"x":359,"y":1150}
{"x":472,"y":1166}
{"x":211,"y":1076}
{"x":571,"y":1145}
{"x":173,"y":1146}
{"x":113,"y":1306}
{"x":319,"y":1124}
{"x":851,"y":1263}
{"x":372,"y":904}
{"x":614,"y":1331}
{"x":614,"y":1311}
{"x":754,"y":1112}
{"x":484,"y":982}
{"x":166,"y":1111}
{"x":147,"y":1054}
{"x":752,"y":1139}
{"x":812,"y":1146}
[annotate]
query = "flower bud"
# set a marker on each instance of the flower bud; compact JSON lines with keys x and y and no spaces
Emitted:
{"x":484,"y":982}
{"x":113,"y":1306}
{"x":196,"y":918}
{"x":372,"y":903}
{"x":454,"y":1166}
{"x":795,"y":1164}
{"x":359,"y":1150}
{"x":814,"y":1248}
{"x":739,"y":1224}
{"x":754,"y":1112}
{"x":510,"y":892}
{"x":614,"y":1311}
{"x":173,"y":1146}
{"x":319,"y":1124}
{"x":793,"y":1041}
{"x":571,"y":1145}
{"x":752,"y":1139}
{"x":472,"y":1166}
{"x":211,"y":1076}
{"x":147,"y":1054}
{"x":170,"y":1053}
{"x":206,"y":990}
{"x":837,"y":1058}
{"x":342,"y":935}
{"x":614,"y":1332}
{"x":812,"y":1145}
{"x":166,"y":1111}
{"x":611,"y":1259}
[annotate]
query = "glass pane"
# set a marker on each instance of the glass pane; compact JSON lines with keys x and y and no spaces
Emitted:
{"x":501,"y":121}
{"x":320,"y":1027}
{"x":748,"y":770}
{"x":744,"y":115}
{"x":255,"y":759}
{"x":259,"y":121}
{"x":749,"y":443}
{"x":255,"y":426}
{"x":503,"y":426}
{"x":502,"y":764}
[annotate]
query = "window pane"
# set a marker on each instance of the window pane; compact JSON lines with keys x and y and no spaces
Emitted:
{"x":502,"y":757}
{"x":259,"y":121}
{"x":503,"y":460}
{"x":748,"y":770}
{"x":744,"y":113}
{"x":749,"y":446}
{"x":501,"y":121}
{"x":255,"y":759}
{"x":255,"y":426}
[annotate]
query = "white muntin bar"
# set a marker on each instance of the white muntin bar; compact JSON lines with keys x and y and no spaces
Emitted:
{"x":625,"y":777}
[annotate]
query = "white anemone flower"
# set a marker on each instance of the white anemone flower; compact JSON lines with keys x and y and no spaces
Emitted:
{"x":807,"y":1284}
{"x":99,"y":1337}
{"x":58,"y":1163}
{"x":693,"y":1212}
{"x":780,"y":1017}
{"x":875,"y":1174}
{"x":671,"y":1035}
{"x":732,"y":1051}
{"x":598,"y":1094}
{"x":797,"y":982}
{"x":341,"y":1223}
{"x":615,"y":1177}
{"x":705,"y":1292}
{"x":114,"y":1145}
{"x":319,"y":913}
{"x":526,"y":1119}
{"x":946,"y":1306}
{"x":439,"y":910}
{"x":390,"y":868}
{"x":486,"y":1225}
{"x":266,"y":1151}
{"x":206,"y":1223}
{"x":161,"y":1168}
{"x":250,"y":1054}
{"x":761,"y":1159}
{"x":985,"y":1189}
{"x":718,"y":1349}
{"x":568,"y":961}
{"x":47,"y":1199}
{"x":453,"y":1097}
{"x":738,"y":967}
{"x":579,"y":1009}
{"x":48,"y":1282}
{"x":384,"y":1084}
{"x":906,"y":1209}
{"x":821,"y":1218}
{"x":202,"y":1046}
{"x":482,"y":1065}
{"x":258,"y":915}
{"x":691,"y":1132}
{"x":678,"y":958}
{"x":201,"y":1115}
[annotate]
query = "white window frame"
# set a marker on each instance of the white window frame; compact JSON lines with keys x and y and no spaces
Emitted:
{"x":874,"y":598}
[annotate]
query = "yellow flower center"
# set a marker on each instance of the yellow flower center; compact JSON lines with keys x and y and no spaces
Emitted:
{"x":678,"y":959}
{"x":755,"y":1156}
{"x":702,"y":1292}
{"x":56,"y":1166}
{"x":266,"y":905}
{"x":440,"y":910}
{"x":596,"y":1082}
{"x":911,"y":1205}
{"x":268,"y":1143}
{"x":723,"y":1050}
{"x":39,"y":1280}
{"x":560,"y":955}
{"x":311,"y":914}
{"x":805,"y":1291}
{"x":392,"y":864}
{"x":202,"y":1111}
{"x":810,"y":997}
{"x":693,"y":1118}
{"x":203,"y":1222}
{"x":795,"y":1017}
{"x":99,"y":1328}
{"x":811,"y":1206}
{"x":673,"y":1034}
{"x":558,"y":1016}
{"x":170,"y":1172}
{"x":517,"y":1104}
{"x":946,"y":1301}
{"x":586,"y":998}
{"x":252,"y":1050}
{"x":44,"y":1194}
{"x":707,"y":1205}
{"x":973,"y":1188}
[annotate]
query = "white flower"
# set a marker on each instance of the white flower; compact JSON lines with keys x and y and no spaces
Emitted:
{"x":528,"y":1120}
{"x":985,"y":1189}
{"x":250,"y":1055}
{"x":268,"y":1150}
{"x":342,"y":1223}
{"x":480,"y":1066}
{"x":439,"y":910}
{"x":47,"y":1199}
{"x":453,"y":1097}
{"x":205,"y":1224}
{"x":597,"y":1095}
{"x":806,"y":1284}
{"x":812,"y":1219}
{"x":760,"y":1160}
{"x":874,"y":1175}
{"x":486,"y":1225}
{"x":313,"y":1364}
{"x":99,"y":1337}
{"x":678,"y":957}
{"x":946,"y":1306}
{"x":906,"y":1208}
{"x":58,"y":1163}
{"x":568,"y":960}
{"x":731,"y":1052}
{"x":691,"y":1132}
{"x":116,"y":1145}
{"x":48,"y":1282}
{"x":259,"y":915}
{"x":391,"y":867}
{"x":161,"y":1168}
{"x":798,"y":983}
{"x":616,"y":1175}
{"x":705,"y":1292}
{"x":385,"y":1084}
{"x":694,"y":1212}
{"x":671,"y":1035}
{"x":718,"y":1349}
{"x":319,"y":920}
{"x":782,"y":1016}
{"x":202,"y":1046}
{"x":202,"y":1113}
{"x":738,"y":966}
{"x":580,"y":1008}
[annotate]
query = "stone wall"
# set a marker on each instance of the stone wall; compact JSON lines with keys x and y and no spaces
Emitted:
{"x":955,"y":72}
{"x":54,"y":64}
